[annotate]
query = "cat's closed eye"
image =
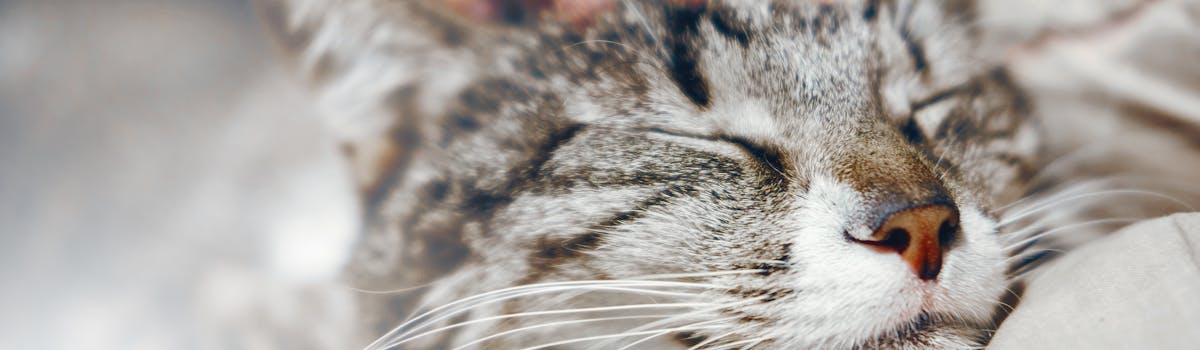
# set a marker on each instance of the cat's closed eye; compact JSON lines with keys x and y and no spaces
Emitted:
{"x":764,"y":155}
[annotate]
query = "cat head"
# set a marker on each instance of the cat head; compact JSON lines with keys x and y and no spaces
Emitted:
{"x":807,"y":174}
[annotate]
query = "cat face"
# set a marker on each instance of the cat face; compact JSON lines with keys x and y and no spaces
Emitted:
{"x":774,"y":175}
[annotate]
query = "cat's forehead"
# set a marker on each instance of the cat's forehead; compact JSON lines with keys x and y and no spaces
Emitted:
{"x":772,"y":69}
{"x":775,"y":68}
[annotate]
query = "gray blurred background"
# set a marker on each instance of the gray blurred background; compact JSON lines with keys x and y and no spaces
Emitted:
{"x":164,"y":183}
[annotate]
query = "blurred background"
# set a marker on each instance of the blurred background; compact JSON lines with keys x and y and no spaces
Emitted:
{"x":165,"y":183}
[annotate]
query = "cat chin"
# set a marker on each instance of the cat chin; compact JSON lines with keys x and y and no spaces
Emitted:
{"x":928,"y":336}
{"x":920,"y":334}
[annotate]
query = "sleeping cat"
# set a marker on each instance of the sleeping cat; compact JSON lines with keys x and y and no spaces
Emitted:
{"x":718,"y":175}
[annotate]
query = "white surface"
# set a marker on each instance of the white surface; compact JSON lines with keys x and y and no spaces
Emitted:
{"x":1136,"y":289}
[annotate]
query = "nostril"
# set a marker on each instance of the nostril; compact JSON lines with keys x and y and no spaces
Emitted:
{"x":896,"y":239}
{"x":947,"y":233}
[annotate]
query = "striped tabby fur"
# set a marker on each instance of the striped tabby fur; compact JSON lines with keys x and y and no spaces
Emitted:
{"x":732,"y":149}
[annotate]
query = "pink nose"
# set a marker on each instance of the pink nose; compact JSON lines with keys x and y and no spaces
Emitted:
{"x":921,"y":235}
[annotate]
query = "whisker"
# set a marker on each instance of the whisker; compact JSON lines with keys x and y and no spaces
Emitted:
{"x":582,"y":286}
{"x":774,"y":262}
{"x":549,"y":312}
{"x":540,"y":290}
{"x":1030,"y":228}
{"x":1066,"y":161}
{"x":608,"y":42}
{"x":690,"y":327}
{"x":390,"y":291}
{"x":1008,"y":308}
{"x":1033,"y":260}
{"x":498,"y":295}
{"x":710,"y":341}
{"x":1037,"y":202}
{"x":564,"y":297}
{"x":643,"y":340}
{"x":695,"y":274}
{"x":750,"y":343}
{"x":569,"y":296}
{"x":946,"y":149}
{"x":1103,"y":182}
{"x":553,"y":324}
{"x":701,"y":311}
{"x":1015,"y":295}
{"x":1072,"y":187}
{"x":1041,"y":235}
{"x":646,"y":282}
{"x":1018,"y":216}
{"x":673,"y":319}
{"x":594,"y":41}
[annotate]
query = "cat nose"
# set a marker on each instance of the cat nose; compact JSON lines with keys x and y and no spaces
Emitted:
{"x":920,"y":234}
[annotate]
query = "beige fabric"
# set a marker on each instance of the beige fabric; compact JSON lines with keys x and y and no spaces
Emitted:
{"x":1136,"y":289}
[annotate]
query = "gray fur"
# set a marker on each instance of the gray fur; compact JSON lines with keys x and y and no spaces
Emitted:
{"x":745,"y":135}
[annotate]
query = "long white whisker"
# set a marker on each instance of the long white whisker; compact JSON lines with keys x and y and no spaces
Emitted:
{"x":1030,"y":228}
{"x":1101,"y":183}
{"x":505,"y":294}
{"x":693,"y":274}
{"x":945,"y":150}
{"x":766,"y":261}
{"x":1067,"y":227}
{"x":643,"y":340}
{"x":1038,"y":224}
{"x":677,"y":318}
{"x":525,"y":293}
{"x":1072,"y":188}
{"x":566,"y":283}
{"x":554,"y":324}
{"x":549,"y":312}
{"x":568,"y":296}
{"x":585,"y":42}
{"x":750,"y":343}
{"x":697,"y":312}
{"x":1018,"y":216}
{"x":710,"y":341}
{"x":690,"y":327}
{"x":513,"y":293}
{"x":656,"y":335}
{"x":1052,"y":167}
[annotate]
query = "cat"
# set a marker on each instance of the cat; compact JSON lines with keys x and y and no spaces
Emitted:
{"x":721,"y":174}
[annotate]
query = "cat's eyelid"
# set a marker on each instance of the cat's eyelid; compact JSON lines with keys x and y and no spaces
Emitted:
{"x":681,"y":134}
{"x":765,"y":155}
{"x":939,"y":97}
{"x":969,"y":87}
